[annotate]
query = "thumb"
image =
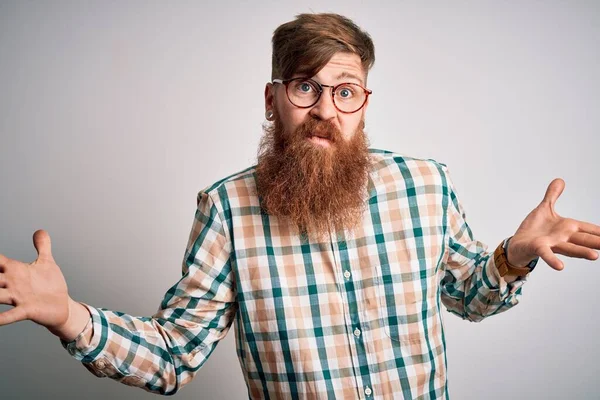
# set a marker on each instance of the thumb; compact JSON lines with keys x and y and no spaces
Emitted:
{"x":41,"y":241}
{"x":554,"y":191}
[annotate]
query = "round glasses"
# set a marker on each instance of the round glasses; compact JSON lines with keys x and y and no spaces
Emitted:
{"x":304,"y":93}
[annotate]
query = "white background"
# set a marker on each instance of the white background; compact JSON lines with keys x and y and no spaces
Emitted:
{"x":113,"y":115}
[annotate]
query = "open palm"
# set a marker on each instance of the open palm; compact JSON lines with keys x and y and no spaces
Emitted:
{"x":544,"y":233}
{"x":37,"y":291}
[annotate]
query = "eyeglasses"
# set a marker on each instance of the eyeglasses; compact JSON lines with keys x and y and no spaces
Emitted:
{"x":304,"y":93}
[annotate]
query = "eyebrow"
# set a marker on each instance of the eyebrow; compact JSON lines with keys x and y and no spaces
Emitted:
{"x":349,"y":75}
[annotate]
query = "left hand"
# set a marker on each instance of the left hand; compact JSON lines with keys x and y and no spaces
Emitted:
{"x":544,"y":233}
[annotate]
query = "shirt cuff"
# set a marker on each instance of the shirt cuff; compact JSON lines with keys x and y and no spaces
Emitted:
{"x":79,"y":347}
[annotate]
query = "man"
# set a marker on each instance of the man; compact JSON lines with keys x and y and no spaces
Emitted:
{"x":330,"y":258}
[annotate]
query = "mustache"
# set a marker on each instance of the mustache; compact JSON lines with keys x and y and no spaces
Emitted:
{"x":320,"y":128}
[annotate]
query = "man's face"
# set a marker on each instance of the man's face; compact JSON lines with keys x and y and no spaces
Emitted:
{"x":313,"y":163}
{"x":343,"y":67}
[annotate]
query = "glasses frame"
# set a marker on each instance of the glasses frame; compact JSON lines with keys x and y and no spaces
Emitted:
{"x":286,"y":83}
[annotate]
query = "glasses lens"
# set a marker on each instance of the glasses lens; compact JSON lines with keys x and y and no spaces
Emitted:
{"x":303,"y":92}
{"x":349,"y":97}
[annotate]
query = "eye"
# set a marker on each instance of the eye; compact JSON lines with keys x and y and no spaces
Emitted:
{"x":305,"y":87}
{"x":345,"y":92}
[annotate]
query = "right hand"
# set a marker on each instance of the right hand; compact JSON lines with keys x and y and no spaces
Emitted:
{"x":37,"y":290}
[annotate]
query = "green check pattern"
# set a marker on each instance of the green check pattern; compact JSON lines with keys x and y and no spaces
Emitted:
{"x":355,"y":316}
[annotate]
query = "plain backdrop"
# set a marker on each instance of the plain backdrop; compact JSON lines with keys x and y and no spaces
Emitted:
{"x":113,"y":115}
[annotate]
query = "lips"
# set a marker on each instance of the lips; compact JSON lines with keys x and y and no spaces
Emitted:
{"x":321,"y":135}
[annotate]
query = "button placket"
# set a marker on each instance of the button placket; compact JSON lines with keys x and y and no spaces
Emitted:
{"x":352,"y":297}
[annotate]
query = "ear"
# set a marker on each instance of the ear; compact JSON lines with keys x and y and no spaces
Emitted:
{"x":269,"y":96}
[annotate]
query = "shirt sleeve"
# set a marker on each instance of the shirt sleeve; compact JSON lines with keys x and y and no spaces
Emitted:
{"x":163,"y":352}
{"x":472,"y":287}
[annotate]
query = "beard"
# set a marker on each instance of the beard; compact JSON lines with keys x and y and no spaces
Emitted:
{"x":319,"y":189}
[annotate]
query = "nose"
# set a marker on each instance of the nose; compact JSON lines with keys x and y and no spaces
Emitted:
{"x":324,"y":109}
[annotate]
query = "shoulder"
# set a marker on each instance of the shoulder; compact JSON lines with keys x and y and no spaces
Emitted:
{"x":388,"y":164}
{"x":232,"y":188}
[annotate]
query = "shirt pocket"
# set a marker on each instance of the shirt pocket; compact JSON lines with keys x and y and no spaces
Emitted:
{"x":406,"y":301}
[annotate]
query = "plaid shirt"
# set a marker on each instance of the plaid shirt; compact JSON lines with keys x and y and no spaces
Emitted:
{"x":350,"y":317}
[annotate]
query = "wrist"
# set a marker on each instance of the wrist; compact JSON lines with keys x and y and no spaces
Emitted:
{"x":517,"y":255}
{"x":78,"y":318}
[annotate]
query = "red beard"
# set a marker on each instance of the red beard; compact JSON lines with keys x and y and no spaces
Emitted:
{"x":321,"y":190}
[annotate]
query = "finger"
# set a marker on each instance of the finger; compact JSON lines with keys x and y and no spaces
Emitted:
{"x":550,"y":258}
{"x":587,"y":227}
{"x":3,"y":262}
{"x":41,"y":241}
{"x":554,"y":190}
{"x":586,"y":240}
{"x":13,"y":315}
{"x":5,"y":297}
{"x":573,"y":250}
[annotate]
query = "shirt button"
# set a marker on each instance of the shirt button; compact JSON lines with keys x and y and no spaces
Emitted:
{"x":357,"y":332}
{"x":347,"y":274}
{"x":100,"y":364}
{"x":368,"y":391}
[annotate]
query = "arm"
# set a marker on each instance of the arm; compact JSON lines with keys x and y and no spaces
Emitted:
{"x":159,"y":353}
{"x":472,"y":287}
{"x":163,"y":352}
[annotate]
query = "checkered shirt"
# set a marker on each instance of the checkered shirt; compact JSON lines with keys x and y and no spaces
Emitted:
{"x":355,"y":316}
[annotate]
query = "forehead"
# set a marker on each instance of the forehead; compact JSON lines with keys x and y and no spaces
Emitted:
{"x":345,"y":67}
